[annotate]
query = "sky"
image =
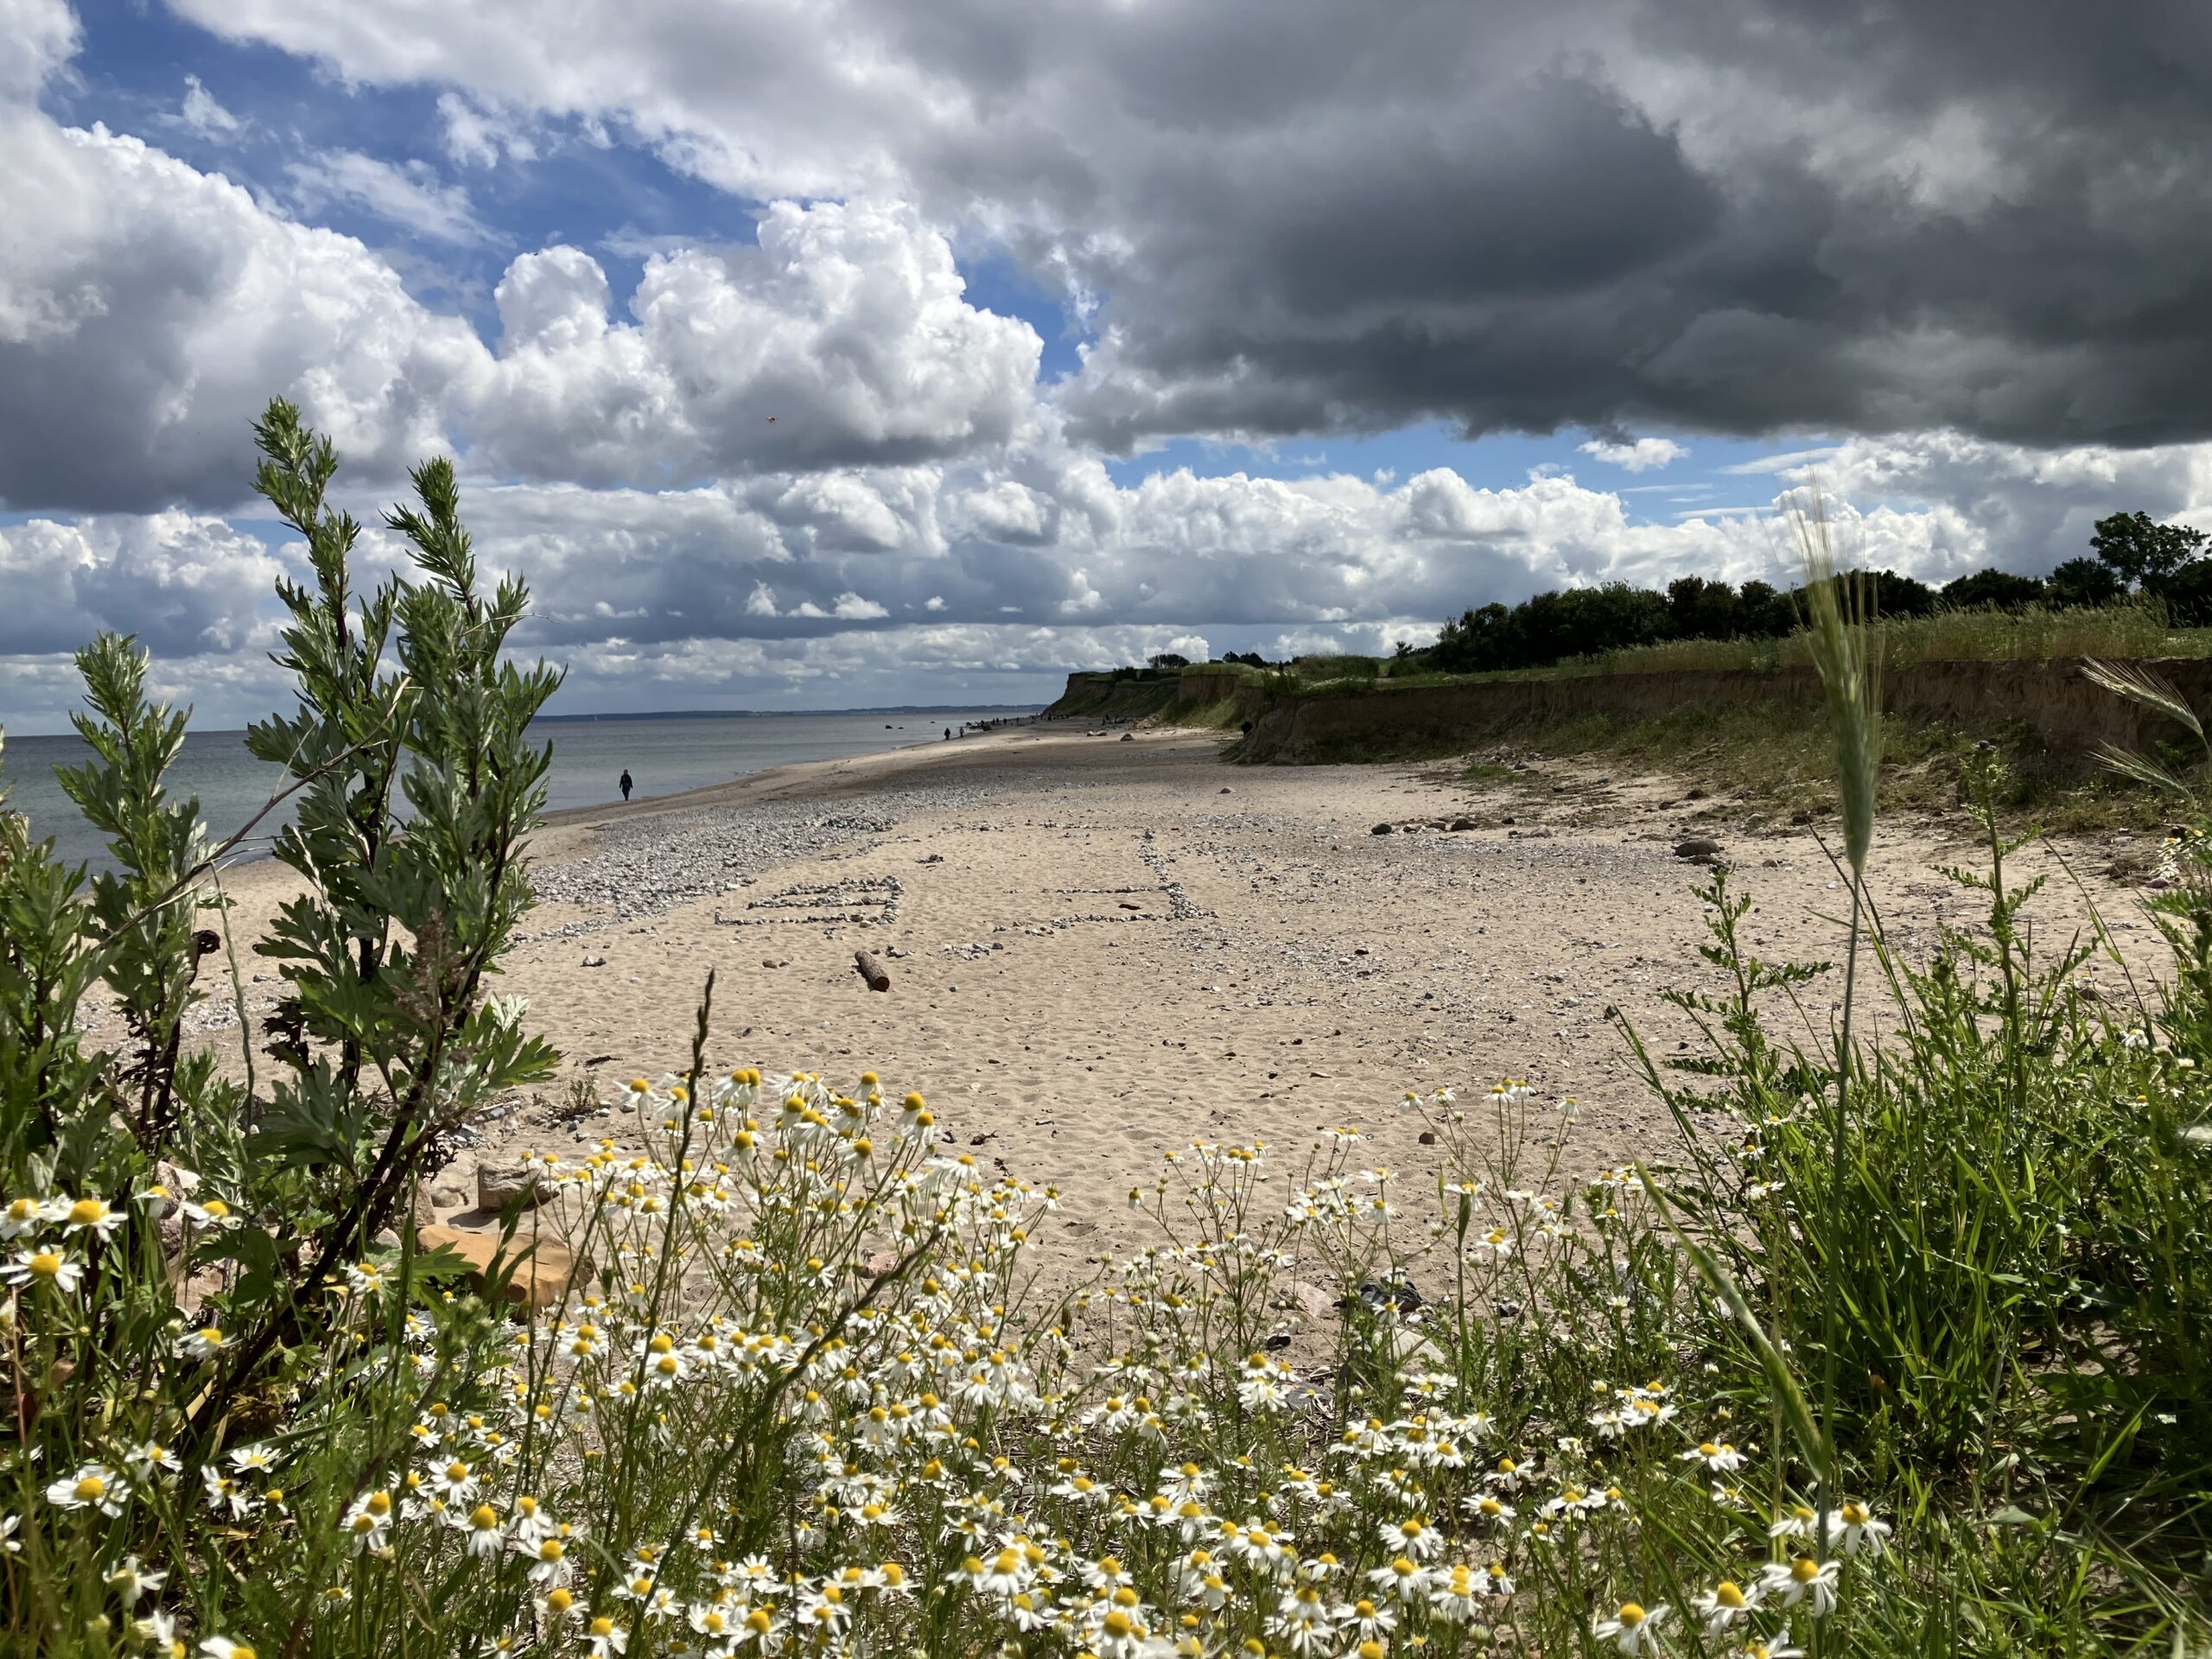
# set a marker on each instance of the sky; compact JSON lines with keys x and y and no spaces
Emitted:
{"x":864,"y":352}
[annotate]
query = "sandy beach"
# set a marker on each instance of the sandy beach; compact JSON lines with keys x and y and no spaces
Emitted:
{"x":1101,"y":949}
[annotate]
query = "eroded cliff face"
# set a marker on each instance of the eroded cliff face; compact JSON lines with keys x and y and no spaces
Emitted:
{"x":1167,"y":696}
{"x":1102,"y":697}
{"x":2070,"y":715}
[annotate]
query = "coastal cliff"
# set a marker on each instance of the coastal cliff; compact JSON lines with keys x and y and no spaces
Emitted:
{"x":1376,"y":720}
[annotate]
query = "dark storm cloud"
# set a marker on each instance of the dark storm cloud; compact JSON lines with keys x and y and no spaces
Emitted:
{"x":1723,"y":217}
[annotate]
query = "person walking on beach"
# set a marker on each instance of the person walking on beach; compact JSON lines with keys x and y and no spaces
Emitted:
{"x":626,"y":783}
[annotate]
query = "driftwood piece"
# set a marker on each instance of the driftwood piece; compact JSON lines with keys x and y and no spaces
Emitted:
{"x":879,"y":979}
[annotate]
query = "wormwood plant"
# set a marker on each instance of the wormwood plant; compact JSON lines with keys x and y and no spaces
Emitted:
{"x":142,"y":1184}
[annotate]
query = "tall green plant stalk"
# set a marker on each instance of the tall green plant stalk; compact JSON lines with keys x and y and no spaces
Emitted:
{"x":1845,"y":650}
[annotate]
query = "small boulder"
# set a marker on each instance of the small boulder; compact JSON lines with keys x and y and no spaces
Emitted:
{"x":591,"y":961}
{"x":1464,"y":823}
{"x":1411,"y":1352}
{"x":1697,"y":847}
{"x":543,"y":1268}
{"x":497,"y":1187}
{"x":1384,"y":830}
{"x":1315,"y":1303}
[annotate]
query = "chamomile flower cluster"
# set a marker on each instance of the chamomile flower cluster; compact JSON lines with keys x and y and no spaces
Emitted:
{"x":805,"y":1390}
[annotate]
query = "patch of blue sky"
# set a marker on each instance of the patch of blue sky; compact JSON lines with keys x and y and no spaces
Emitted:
{"x":1718,"y":474}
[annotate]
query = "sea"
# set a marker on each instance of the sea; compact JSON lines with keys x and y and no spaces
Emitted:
{"x":664,"y":754}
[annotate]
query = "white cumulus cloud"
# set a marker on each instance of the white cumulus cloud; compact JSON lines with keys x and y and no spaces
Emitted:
{"x":1638,"y":455}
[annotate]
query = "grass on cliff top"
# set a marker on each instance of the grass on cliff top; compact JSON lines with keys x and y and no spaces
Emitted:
{"x":2123,"y":631}
{"x":1774,"y":760}
{"x":1947,"y":637}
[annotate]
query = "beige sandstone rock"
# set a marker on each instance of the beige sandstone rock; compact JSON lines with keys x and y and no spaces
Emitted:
{"x":542,"y":1267}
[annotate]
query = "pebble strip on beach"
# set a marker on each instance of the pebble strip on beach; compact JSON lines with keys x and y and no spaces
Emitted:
{"x":640,"y":867}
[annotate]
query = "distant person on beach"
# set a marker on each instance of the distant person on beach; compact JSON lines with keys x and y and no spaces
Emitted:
{"x":626,"y":783}
{"x":948,"y":733}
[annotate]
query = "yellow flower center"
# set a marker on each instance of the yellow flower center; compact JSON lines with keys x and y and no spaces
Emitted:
{"x":1728,"y":1595}
{"x":85,"y":1211}
{"x":1631,"y":1613}
{"x":1804,"y":1569}
{"x":91,"y":1490}
{"x":46,"y":1264}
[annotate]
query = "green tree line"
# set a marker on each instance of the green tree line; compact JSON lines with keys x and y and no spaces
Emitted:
{"x":2132,"y":557}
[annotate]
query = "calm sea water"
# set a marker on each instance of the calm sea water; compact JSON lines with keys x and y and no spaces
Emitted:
{"x":664,"y":754}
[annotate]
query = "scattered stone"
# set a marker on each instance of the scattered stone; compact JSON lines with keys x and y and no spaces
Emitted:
{"x":1697,"y":849}
{"x":1465,"y":823}
{"x":544,"y":1269}
{"x":1384,"y":830}
{"x":1428,"y":1137}
{"x":497,"y":1188}
{"x":1377,"y":1293}
{"x":448,"y":1195}
{"x":1128,"y":737}
{"x":770,"y":961}
{"x":591,"y":961}
{"x":1414,"y":1352}
{"x":881,"y":1265}
{"x":1315,"y":1303}
{"x":1226,"y":790}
